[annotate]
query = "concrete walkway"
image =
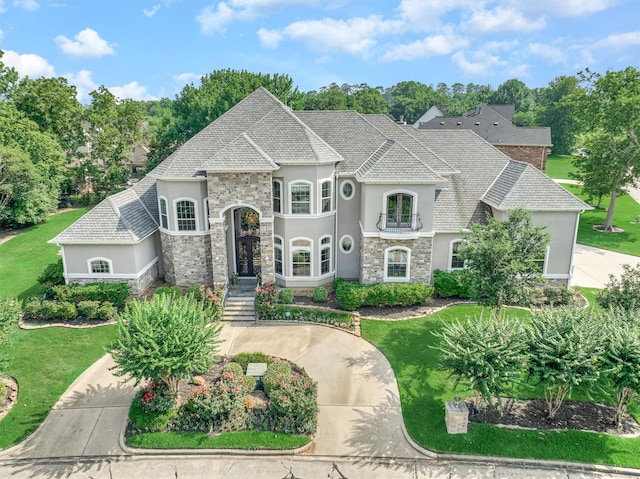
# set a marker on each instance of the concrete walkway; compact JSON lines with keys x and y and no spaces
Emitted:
{"x":592,"y":266}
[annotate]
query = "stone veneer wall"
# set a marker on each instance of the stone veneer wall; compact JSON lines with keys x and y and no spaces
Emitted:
{"x":187,"y":259}
{"x":240,"y":189}
{"x":534,"y":155}
{"x":372,"y":258}
{"x":137,"y":285}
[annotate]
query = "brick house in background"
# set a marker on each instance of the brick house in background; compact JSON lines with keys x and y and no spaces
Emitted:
{"x":494,"y":124}
{"x":303,"y":197}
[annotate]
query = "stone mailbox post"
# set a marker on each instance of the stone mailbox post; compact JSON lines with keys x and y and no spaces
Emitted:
{"x":457,"y":417}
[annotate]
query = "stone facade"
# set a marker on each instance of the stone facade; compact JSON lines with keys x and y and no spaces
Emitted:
{"x":187,"y":259}
{"x":534,"y":155}
{"x":137,"y":285}
{"x":372,"y":258}
{"x":456,"y":417}
{"x":218,"y":247}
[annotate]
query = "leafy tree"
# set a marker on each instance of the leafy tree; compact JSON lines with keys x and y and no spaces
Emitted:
{"x":368,"y":100}
{"x":8,"y":78}
{"x":564,"y":352}
{"x":623,"y":293}
{"x":621,"y":359}
{"x":411,"y":99}
{"x":557,"y":111}
{"x":502,"y":257}
{"x":165,"y":339}
{"x":328,"y":98}
{"x":514,"y":92}
{"x":485,"y":353}
{"x":609,"y":114}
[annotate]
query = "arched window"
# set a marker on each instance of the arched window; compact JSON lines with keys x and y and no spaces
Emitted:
{"x":396,"y":263}
{"x":164,"y":215}
{"x":455,"y":262}
{"x":186,"y":215}
{"x":399,"y":210}
{"x":99,"y":266}
{"x":325,"y":200}
{"x":300,"y":198}
{"x":325,"y":255}
{"x":301,"y":257}
{"x":277,"y":255}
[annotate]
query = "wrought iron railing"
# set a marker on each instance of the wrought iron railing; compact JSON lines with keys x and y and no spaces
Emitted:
{"x":394,"y":223}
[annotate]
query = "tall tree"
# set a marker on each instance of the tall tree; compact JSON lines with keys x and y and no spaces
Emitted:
{"x":609,"y":115}
{"x":557,"y":111}
{"x":502,"y":257}
{"x":410,"y":99}
{"x":515,"y":92}
{"x":8,"y":78}
{"x":368,"y":100}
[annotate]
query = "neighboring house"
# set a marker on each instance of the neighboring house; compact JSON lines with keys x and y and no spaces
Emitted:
{"x":304,"y":196}
{"x":493,"y":123}
{"x":434,"y":112}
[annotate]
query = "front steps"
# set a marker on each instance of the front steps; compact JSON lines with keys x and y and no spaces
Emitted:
{"x":240,"y":303}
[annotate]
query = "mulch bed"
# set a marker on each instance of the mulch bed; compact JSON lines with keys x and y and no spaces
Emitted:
{"x":531,"y":413}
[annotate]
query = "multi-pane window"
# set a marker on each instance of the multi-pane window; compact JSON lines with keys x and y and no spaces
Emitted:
{"x":326,"y":196}
{"x":164,"y":216}
{"x":397,"y":263}
{"x":277,"y":196}
{"x":456,"y":261}
{"x":100,"y":266}
{"x":325,"y":255}
{"x":346,"y":244}
{"x":301,"y":257}
{"x":277,"y":255}
{"x":300,"y":198}
{"x":347,"y":190}
{"x":186,"y":214}
{"x":399,"y":210}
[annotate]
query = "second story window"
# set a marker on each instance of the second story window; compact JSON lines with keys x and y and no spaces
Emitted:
{"x":164,"y":217}
{"x":186,"y":215}
{"x":326,"y":196}
{"x":300,"y":198}
{"x":277,"y":196}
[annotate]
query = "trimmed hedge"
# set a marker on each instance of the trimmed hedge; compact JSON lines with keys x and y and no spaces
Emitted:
{"x":455,"y":283}
{"x":42,"y":309}
{"x":340,"y":320}
{"x":243,"y":359}
{"x":274,"y":370}
{"x":114,"y":293}
{"x":320,"y":294}
{"x":351,"y":296}
{"x":285,"y":296}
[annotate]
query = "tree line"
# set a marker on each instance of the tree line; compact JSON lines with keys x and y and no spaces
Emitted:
{"x":52,"y":147}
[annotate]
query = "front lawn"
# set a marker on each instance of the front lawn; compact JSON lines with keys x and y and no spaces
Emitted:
{"x":45,"y":362}
{"x":248,"y":440}
{"x":424,"y":389}
{"x":559,"y":166}
{"x":24,"y":258}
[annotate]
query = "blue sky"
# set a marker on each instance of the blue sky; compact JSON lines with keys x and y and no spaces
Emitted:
{"x":148,"y":49}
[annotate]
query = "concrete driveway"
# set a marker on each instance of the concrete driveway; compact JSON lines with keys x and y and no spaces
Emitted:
{"x":592,"y":266}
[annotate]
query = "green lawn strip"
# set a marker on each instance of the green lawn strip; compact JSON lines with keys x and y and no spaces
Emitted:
{"x":45,"y":362}
{"x":424,"y":389}
{"x":590,"y":295}
{"x":248,"y":440}
{"x":559,"y":166}
{"x":23,"y":258}
{"x":627,"y":210}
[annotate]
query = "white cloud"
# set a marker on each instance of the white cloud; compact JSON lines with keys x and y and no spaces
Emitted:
{"x":502,"y":20}
{"x":565,"y":8}
{"x":269,"y":38}
{"x":30,"y":5}
{"x":150,"y":12}
{"x":620,"y":40}
{"x":429,"y":46}
{"x":547,"y":52}
{"x":28,"y":64}
{"x":520,"y":71}
{"x":88,"y":44}
{"x":481,"y":64}
{"x":2,"y":7}
{"x":506,"y":45}
{"x":133,"y":91}
{"x":185,"y":78}
{"x":425,"y":15}
{"x":83,"y":83}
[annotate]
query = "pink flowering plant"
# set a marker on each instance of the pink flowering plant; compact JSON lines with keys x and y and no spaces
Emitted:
{"x":157,"y":398}
{"x":209,"y":296}
{"x":266,"y":299}
{"x":293,"y":404}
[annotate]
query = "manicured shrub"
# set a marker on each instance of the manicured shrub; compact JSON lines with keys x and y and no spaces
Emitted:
{"x":275,"y":370}
{"x":106,"y":312}
{"x":114,"y":293}
{"x":88,"y":309}
{"x":243,"y":359}
{"x":558,"y":295}
{"x":351,"y":296}
{"x":212,"y":298}
{"x":171,"y":290}
{"x":149,"y":421}
{"x":334,"y":318}
{"x":623,"y":292}
{"x":285,"y":296}
{"x":455,"y":283}
{"x":235,"y":368}
{"x":52,"y":275}
{"x":43,"y":310}
{"x":157,"y":398}
{"x":320,"y":294}
{"x":266,"y":299}
{"x":293,"y":405}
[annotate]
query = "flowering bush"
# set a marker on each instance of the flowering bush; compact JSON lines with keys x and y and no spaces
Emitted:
{"x":293,"y":405}
{"x":266,"y":299}
{"x":211,"y":297}
{"x":157,"y":398}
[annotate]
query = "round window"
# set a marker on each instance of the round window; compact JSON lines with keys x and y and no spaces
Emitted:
{"x":346,"y":244}
{"x":347,"y":190}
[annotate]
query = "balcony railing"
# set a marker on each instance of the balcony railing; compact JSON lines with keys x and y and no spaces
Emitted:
{"x":393,"y":223}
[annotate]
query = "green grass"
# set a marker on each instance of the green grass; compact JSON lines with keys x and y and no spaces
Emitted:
{"x":627,"y":210}
{"x":249,"y":440}
{"x":45,"y":362}
{"x":424,"y":389}
{"x":590,"y":295}
{"x":559,"y":166}
{"x":24,"y":258}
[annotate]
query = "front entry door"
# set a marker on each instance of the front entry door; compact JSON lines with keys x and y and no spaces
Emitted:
{"x":247,"y":230}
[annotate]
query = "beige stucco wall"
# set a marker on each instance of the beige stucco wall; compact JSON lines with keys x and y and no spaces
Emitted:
{"x":347,"y":218}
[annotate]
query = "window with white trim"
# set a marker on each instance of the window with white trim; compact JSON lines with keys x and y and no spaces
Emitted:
{"x":164,"y":215}
{"x":277,"y":196}
{"x":347,"y":190}
{"x":346,"y":244}
{"x":456,"y":261}
{"x":301,"y":257}
{"x":100,"y":266}
{"x":396,"y":263}
{"x":277,"y":255}
{"x":326,"y":196}
{"x":325,"y":255}
{"x":300,"y":198}
{"x":186,"y":215}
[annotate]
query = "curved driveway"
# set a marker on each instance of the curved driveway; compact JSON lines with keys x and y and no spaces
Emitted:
{"x":359,"y":406}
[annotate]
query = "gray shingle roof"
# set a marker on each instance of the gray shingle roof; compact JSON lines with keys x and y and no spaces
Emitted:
{"x":121,"y":218}
{"x":241,"y":154}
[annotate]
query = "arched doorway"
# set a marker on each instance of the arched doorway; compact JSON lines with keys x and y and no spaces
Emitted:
{"x":247,"y":241}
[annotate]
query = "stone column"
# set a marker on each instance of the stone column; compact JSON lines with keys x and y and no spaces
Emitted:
{"x":457,"y":417}
{"x":266,"y":250}
{"x":219,"y":253}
